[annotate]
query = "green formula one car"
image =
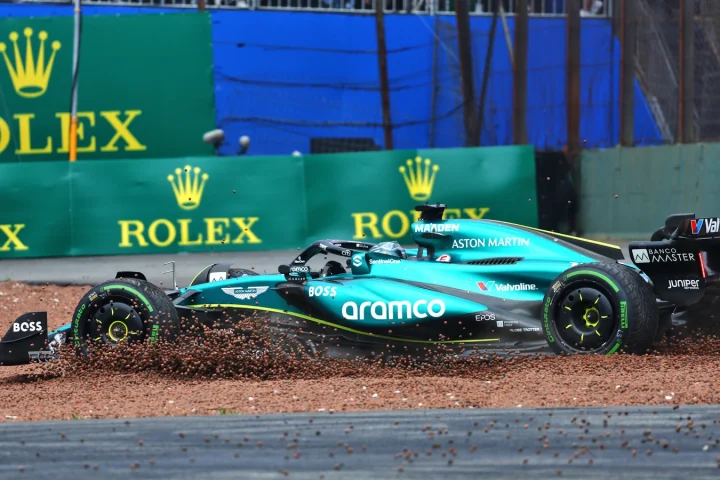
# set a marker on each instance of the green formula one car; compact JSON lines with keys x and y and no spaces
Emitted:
{"x":482,"y":285}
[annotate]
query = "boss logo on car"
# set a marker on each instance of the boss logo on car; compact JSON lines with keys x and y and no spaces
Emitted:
{"x":396,"y":310}
{"x":322,"y":291}
{"x":27,"y":327}
{"x":661,"y":255}
{"x":300,"y":269}
{"x":684,"y":284}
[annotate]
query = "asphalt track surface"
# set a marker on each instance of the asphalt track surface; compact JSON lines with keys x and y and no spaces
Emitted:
{"x":374,"y":445}
{"x":95,"y":270}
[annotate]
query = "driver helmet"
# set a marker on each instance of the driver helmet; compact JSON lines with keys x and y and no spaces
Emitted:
{"x":389,"y":248}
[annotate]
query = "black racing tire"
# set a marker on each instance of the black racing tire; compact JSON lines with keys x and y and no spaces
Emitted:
{"x":124,"y":310}
{"x":240,"y":272}
{"x":618,"y":312}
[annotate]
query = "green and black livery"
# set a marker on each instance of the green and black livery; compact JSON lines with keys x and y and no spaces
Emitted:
{"x":469,"y":285}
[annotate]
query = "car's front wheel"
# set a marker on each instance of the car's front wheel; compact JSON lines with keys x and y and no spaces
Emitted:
{"x":600,"y":308}
{"x":123,"y":311}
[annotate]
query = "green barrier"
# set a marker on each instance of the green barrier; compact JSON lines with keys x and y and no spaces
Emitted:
{"x":109,"y":207}
{"x":145,"y":87}
{"x":202,"y":204}
{"x":36,"y":206}
{"x":372,"y":197}
{"x":188,"y":205}
{"x":629,"y":192}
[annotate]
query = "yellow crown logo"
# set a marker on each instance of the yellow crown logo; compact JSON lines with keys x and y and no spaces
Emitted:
{"x":419,"y":180}
{"x":188,"y":191}
{"x":30,"y":79}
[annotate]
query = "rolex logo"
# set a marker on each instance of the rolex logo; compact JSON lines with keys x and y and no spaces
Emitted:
{"x":188,"y":190}
{"x":419,"y":178}
{"x":30,"y":77}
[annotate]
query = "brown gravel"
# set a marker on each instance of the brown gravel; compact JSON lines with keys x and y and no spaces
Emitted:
{"x":211,"y":380}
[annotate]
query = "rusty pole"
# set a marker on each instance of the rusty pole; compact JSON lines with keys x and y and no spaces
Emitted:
{"x":462,"y":18}
{"x":573,"y":102}
{"x":520,"y":48}
{"x":628,"y":39}
{"x":686,"y":80}
{"x":573,"y":78}
{"x":383,"y":73}
{"x":486,"y":72}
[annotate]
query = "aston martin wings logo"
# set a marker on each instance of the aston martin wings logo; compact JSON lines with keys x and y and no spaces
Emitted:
{"x":246,"y":293}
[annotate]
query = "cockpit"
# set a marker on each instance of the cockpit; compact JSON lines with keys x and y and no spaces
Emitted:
{"x":352,"y":253}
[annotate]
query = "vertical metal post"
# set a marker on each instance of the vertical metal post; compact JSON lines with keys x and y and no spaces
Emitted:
{"x":573,"y":77}
{"x":520,"y":49}
{"x":74,"y":94}
{"x":573,"y":106}
{"x":615,"y":9}
{"x":472,"y":136}
{"x":383,"y":73}
{"x":506,"y":30}
{"x":433,"y":98}
{"x":628,"y":42}
{"x":486,"y":71}
{"x":686,"y":83}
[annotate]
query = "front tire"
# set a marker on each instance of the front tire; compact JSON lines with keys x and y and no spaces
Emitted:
{"x":123,"y":311}
{"x":600,"y":308}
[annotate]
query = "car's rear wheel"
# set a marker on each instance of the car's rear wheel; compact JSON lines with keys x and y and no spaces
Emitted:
{"x":600,"y":308}
{"x":123,"y":311}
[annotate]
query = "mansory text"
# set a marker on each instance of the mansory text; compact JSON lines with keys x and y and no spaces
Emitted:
{"x":470,"y":285}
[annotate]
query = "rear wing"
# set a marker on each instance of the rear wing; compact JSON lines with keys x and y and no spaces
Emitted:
{"x":681,"y":258}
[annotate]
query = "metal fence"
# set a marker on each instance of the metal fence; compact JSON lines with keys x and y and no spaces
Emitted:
{"x":659,"y":53}
{"x":545,"y":8}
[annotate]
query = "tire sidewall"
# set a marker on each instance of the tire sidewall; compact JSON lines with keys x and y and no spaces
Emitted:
{"x":137,"y":295}
{"x":570,"y":280}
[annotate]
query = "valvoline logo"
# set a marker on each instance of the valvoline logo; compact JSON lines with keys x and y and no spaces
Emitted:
{"x":696,"y":225}
{"x":705,"y":225}
{"x":505,"y":287}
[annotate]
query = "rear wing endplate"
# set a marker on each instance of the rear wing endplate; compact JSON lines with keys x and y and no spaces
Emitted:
{"x":681,"y":258}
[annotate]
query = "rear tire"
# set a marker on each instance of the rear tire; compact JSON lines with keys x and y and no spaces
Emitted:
{"x":124,"y":310}
{"x":600,"y":308}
